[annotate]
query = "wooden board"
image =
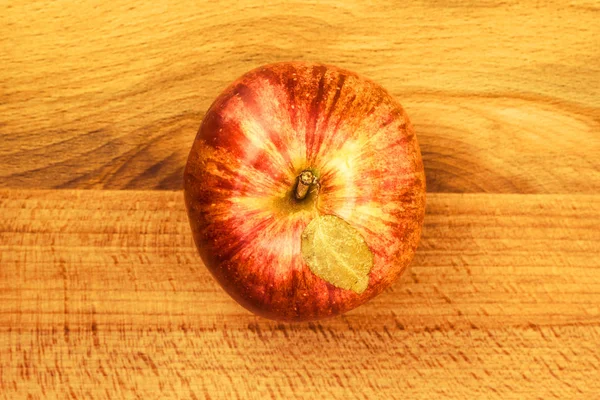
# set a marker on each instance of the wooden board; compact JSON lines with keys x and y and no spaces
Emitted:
{"x":504,"y":97}
{"x":102,"y":296}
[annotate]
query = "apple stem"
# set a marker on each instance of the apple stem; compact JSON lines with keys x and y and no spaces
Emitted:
{"x":305,"y":180}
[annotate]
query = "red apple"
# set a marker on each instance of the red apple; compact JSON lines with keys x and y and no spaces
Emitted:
{"x":305,"y":190}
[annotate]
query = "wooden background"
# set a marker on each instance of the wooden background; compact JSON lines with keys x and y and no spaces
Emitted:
{"x":103,"y":296}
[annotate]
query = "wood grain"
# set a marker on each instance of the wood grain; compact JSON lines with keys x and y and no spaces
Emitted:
{"x":504,"y":97}
{"x":102,"y":295}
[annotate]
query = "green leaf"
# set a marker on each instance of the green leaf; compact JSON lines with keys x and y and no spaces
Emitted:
{"x":337,"y":253}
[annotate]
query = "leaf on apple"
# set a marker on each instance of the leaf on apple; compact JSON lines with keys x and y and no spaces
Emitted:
{"x":337,"y":253}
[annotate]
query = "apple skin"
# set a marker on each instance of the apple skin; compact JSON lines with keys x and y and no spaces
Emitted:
{"x":266,"y":128}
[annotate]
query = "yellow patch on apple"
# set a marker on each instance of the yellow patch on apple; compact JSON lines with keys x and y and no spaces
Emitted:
{"x":337,"y":253}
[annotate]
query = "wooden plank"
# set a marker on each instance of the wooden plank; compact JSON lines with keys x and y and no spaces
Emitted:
{"x":504,"y":98}
{"x":102,"y":296}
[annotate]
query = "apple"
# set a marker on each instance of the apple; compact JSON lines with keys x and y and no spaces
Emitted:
{"x":305,"y":190}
